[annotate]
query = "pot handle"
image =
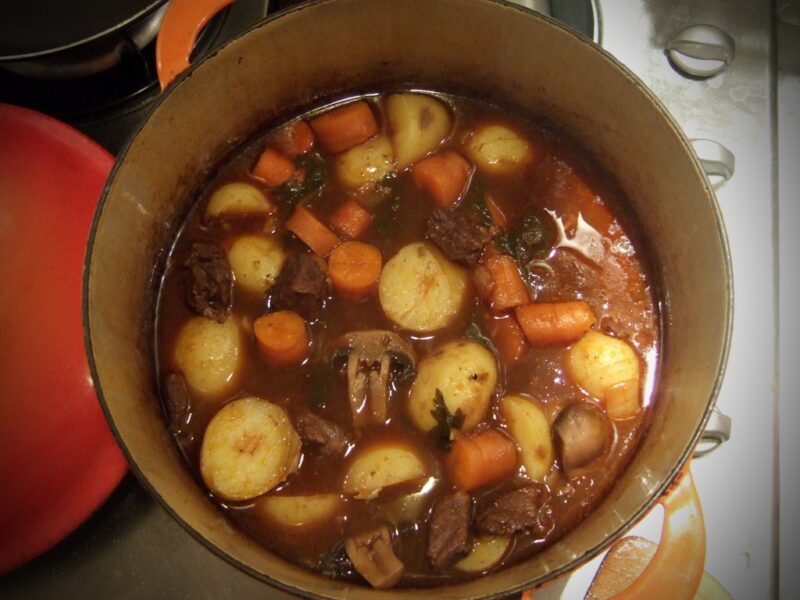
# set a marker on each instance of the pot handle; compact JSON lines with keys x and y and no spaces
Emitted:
{"x":183,"y":22}
{"x":676,"y":569}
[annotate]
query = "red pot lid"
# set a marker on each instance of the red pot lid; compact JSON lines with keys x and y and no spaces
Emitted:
{"x":58,"y":458}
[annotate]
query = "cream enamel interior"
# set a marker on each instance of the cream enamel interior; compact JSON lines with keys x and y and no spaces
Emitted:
{"x":328,"y":48}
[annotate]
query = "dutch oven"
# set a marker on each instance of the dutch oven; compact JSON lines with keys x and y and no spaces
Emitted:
{"x":479,"y":48}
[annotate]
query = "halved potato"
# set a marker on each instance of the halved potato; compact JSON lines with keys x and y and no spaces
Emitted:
{"x":299,"y":511}
{"x":529,"y":427}
{"x":248,"y":448}
{"x":487,"y":551}
{"x":420,"y":289}
{"x":608,"y":369}
{"x":366,"y":163}
{"x":256,"y":262}
{"x":418,"y":124}
{"x":498,"y":149}
{"x":236,"y":200}
{"x":466,"y":375}
{"x":210,"y":355}
{"x":378,"y":467}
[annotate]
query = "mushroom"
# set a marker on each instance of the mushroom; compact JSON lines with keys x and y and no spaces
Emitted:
{"x":373,"y":557}
{"x":583,"y":434}
{"x":371,"y":358}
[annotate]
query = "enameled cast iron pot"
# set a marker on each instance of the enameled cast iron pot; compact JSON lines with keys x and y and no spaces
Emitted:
{"x":487,"y":49}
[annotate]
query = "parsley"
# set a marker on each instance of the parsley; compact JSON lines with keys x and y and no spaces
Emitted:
{"x":310,"y":176}
{"x":445,"y":421}
{"x":475,"y":333}
{"x":476,"y":201}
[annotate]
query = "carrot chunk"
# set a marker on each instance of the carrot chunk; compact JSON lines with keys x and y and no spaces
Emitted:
{"x":509,"y":289}
{"x":282,"y":338}
{"x":342,"y":128}
{"x":443,"y":176}
{"x":314,"y":233}
{"x":351,"y":219}
{"x":274,"y":168}
{"x":481,"y":459}
{"x":546,"y":323}
{"x":294,"y":139}
{"x":508,"y":338}
{"x":354,"y":269}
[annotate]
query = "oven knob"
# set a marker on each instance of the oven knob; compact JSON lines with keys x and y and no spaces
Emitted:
{"x":701,"y":50}
{"x":717,"y":161}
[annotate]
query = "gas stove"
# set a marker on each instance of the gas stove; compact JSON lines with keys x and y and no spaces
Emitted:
{"x":720,"y":81}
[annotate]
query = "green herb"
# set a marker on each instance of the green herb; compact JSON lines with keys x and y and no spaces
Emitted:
{"x":475,"y":333}
{"x":534,"y":237}
{"x":310,"y":176}
{"x":476,"y":201}
{"x":335,"y":563}
{"x":505,"y":244}
{"x":445,"y":421}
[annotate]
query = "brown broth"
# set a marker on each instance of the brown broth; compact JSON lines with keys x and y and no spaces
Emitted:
{"x":621,"y":292}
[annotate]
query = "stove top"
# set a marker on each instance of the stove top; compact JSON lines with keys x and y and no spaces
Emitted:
{"x":131,"y":548}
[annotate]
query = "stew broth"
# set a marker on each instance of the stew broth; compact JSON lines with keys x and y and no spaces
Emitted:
{"x":588,"y":251}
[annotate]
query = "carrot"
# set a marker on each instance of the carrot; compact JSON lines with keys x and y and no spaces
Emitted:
{"x":509,"y":289}
{"x":508,"y":338}
{"x":274,"y":168}
{"x":351,"y":219}
{"x":498,"y":216}
{"x":546,"y":323}
{"x":282,"y":338}
{"x":314,"y":233}
{"x":481,"y":459}
{"x":354,"y":268}
{"x":342,"y":128}
{"x":443,"y":176}
{"x":294,"y":139}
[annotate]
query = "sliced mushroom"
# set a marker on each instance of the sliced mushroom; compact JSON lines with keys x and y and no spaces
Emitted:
{"x":583,"y":434}
{"x":372,"y":357}
{"x":373,"y":557}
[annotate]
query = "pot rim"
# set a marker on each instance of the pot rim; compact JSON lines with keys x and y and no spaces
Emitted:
{"x":590,"y":553}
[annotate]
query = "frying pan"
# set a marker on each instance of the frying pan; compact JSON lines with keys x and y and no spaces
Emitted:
{"x":54,"y":39}
{"x":480,"y":48}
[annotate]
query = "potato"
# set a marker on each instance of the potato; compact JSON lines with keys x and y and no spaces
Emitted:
{"x":607,"y":368}
{"x":256,"y":262}
{"x":466,"y":375}
{"x":418,"y":124}
{"x":210,"y":355}
{"x":238,"y":199}
{"x":420,"y":289}
{"x":381,"y":466}
{"x":497,"y":149}
{"x":248,"y":448}
{"x":366,"y":163}
{"x":529,"y":427}
{"x":299,"y":511}
{"x":487,"y":550}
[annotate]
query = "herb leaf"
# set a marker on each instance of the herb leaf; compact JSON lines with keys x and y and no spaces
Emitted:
{"x":309,"y":176}
{"x":476,"y":201}
{"x":445,"y":421}
{"x":475,"y":333}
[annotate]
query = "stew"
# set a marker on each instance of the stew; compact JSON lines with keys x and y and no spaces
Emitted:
{"x":408,"y":338}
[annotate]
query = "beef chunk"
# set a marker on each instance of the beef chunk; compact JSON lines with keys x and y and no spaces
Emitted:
{"x":448,"y":529}
{"x":514,"y":511}
{"x":457,"y":236}
{"x":301,"y":287}
{"x":315,"y":429}
{"x":178,"y":402}
{"x":210,"y":289}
